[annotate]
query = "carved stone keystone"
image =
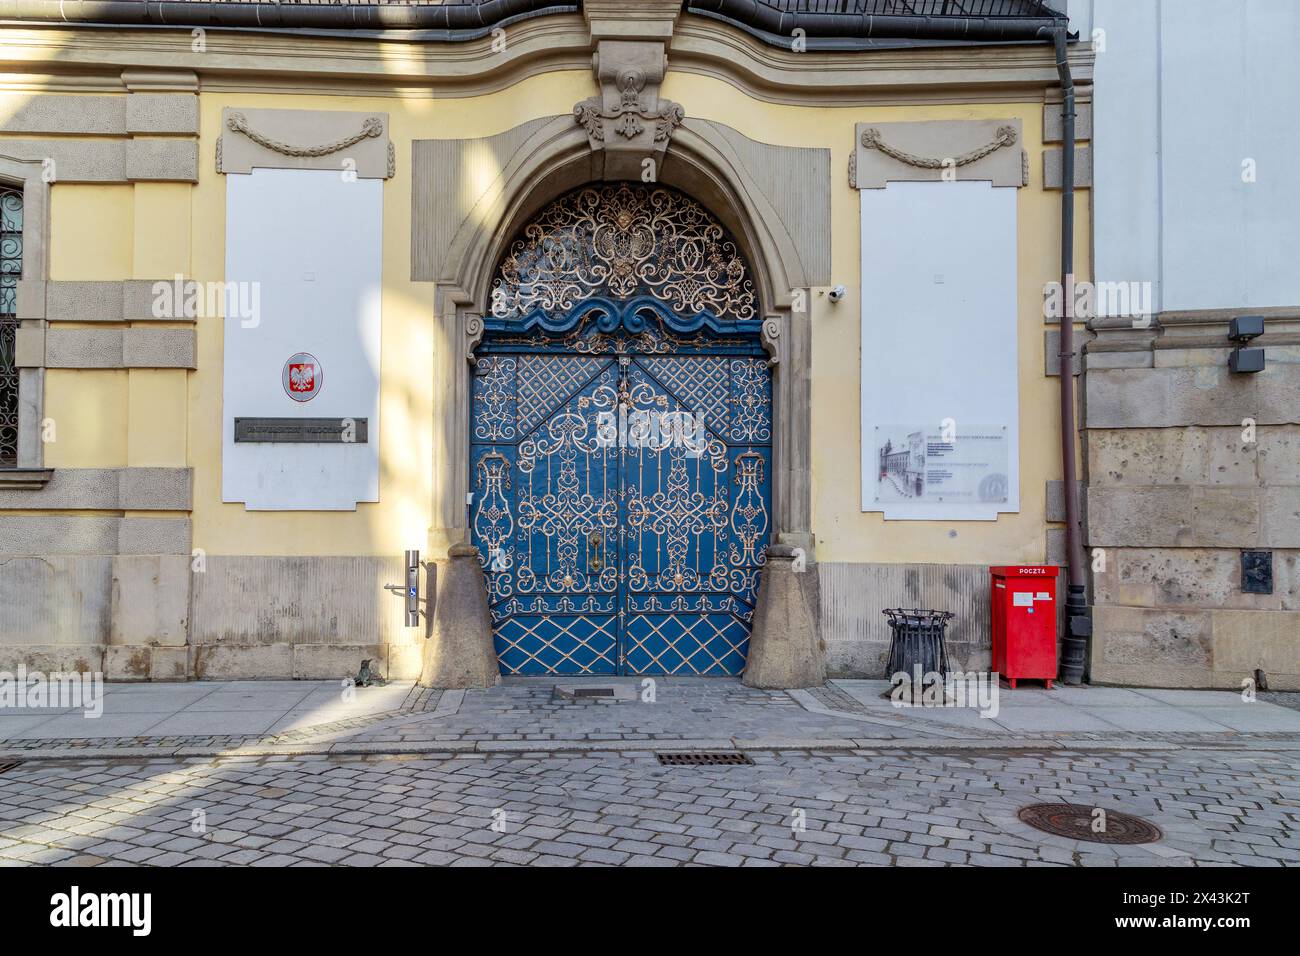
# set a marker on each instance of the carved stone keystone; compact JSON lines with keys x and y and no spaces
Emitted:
{"x":459,"y":651}
{"x":628,"y":123}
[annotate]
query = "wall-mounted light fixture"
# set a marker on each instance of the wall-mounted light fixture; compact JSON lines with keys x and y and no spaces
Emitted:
{"x":1241,"y":330}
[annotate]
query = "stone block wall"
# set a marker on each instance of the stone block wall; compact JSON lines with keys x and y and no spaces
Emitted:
{"x":306,"y":618}
{"x":98,"y":574}
{"x":151,"y":616}
{"x":95,"y":574}
{"x":1189,"y":465}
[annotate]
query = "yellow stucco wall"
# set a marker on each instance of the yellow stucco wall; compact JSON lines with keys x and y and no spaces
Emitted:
{"x":170,"y":417}
{"x":88,"y":411}
{"x":402,"y":516}
{"x":91,"y":231}
{"x":843,"y":531}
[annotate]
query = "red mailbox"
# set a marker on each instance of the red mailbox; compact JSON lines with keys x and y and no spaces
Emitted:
{"x":1024,"y":622}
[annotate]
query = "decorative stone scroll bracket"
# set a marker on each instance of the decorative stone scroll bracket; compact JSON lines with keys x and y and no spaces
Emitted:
{"x":306,"y":139}
{"x":770,"y":334}
{"x":928,"y":151}
{"x":628,"y":123}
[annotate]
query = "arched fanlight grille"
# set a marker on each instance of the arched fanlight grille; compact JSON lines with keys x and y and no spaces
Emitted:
{"x":621,"y":241}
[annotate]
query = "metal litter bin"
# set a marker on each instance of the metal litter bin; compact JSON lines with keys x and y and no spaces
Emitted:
{"x":918,"y":641}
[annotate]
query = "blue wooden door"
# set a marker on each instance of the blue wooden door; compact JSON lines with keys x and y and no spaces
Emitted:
{"x":621,"y":499}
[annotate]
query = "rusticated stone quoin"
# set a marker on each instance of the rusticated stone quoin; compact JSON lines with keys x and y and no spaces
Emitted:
{"x":1189,"y":465}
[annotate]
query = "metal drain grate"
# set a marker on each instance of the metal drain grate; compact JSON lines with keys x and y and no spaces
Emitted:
{"x":8,"y":765}
{"x":697,"y":759}
{"x":593,"y":692}
{"x":1076,"y":823}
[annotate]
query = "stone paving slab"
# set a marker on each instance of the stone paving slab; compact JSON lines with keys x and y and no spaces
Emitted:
{"x":677,"y":708}
{"x":1073,"y":709}
{"x":527,"y":715}
{"x":211,"y":732}
{"x":128,"y":699}
{"x":231,"y":708}
{"x":74,"y":725}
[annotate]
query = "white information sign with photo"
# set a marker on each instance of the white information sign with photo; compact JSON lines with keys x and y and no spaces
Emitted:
{"x":940,"y":351}
{"x":942,"y":464}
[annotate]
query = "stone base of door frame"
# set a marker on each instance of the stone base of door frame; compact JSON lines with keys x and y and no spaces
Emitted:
{"x":459,"y":652}
{"x":786,"y":650}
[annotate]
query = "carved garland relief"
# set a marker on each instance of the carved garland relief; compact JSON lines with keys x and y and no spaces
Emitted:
{"x":873,"y":140}
{"x":369,"y":150}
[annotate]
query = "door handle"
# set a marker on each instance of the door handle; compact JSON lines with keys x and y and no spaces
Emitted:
{"x":595,"y":549}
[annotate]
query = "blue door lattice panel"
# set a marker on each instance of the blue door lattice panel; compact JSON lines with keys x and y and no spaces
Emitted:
{"x":606,"y":554}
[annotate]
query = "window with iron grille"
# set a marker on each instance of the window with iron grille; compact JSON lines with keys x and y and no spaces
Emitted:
{"x":11,"y":268}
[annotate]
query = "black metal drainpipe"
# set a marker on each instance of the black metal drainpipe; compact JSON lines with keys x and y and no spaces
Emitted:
{"x":1078,"y":617}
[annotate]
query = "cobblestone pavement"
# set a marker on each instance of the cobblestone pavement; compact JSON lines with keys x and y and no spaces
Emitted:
{"x":864,"y":807}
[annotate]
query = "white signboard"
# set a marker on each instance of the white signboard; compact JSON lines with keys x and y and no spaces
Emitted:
{"x":940,"y":351}
{"x":311,"y":241}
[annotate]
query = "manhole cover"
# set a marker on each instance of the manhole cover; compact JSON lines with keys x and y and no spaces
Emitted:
{"x":732,"y":759}
{"x":8,"y":765}
{"x":1086,"y":823}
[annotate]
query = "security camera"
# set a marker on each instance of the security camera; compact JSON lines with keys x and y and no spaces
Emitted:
{"x":838,"y":293}
{"x":1243,"y":328}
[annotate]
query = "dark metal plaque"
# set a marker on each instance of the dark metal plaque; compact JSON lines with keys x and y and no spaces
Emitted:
{"x":299,"y":430}
{"x":1257,"y":572}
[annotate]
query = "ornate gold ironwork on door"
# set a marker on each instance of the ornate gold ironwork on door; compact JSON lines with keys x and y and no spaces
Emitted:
{"x":621,"y":448}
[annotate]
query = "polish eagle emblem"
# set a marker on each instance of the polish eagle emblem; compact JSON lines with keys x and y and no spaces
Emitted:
{"x":302,"y":377}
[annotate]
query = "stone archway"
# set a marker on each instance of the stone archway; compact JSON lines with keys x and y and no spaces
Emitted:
{"x":621,"y":440}
{"x":774,"y":200}
{"x":458,"y":248}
